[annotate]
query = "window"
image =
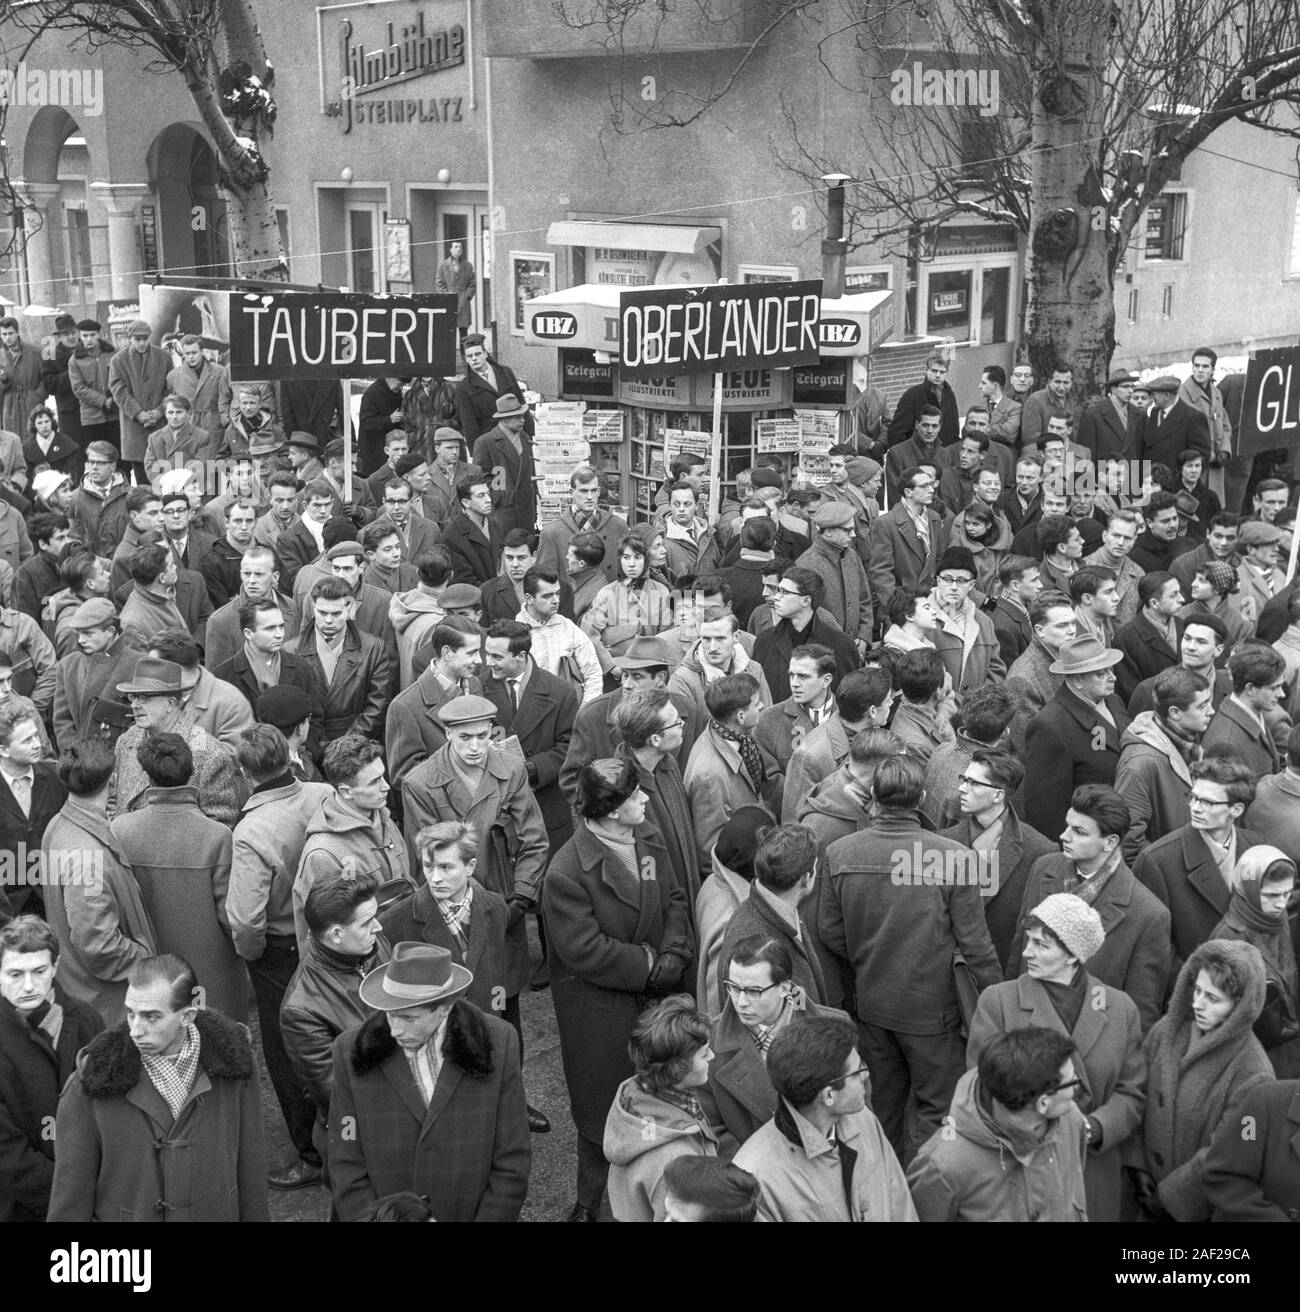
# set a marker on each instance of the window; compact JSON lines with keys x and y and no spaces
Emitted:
{"x":1167,"y":301}
{"x":980,"y":148}
{"x":768,"y":273}
{"x":1133,"y":305}
{"x":1166,"y":227}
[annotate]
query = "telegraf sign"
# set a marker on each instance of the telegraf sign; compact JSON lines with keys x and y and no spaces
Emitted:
{"x":693,"y":330}
{"x":341,"y":335}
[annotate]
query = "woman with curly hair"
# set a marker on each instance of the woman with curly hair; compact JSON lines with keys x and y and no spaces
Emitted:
{"x":635,"y":605}
{"x":617,"y":929}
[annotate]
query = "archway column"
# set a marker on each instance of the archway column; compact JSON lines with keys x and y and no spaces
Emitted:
{"x":121,"y":201}
{"x":40,"y":214}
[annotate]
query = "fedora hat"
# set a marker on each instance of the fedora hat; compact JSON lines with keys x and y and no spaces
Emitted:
{"x":1085,"y":655}
{"x":643,"y":654}
{"x":418,"y":975}
{"x":265,"y":443}
{"x":510,"y":407}
{"x":156,"y":676}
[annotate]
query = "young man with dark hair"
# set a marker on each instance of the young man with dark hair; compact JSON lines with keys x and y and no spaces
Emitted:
{"x":1135,"y":956}
{"x":1021,"y":582}
{"x":583,"y":514}
{"x":38,"y":577}
{"x":880,"y":913}
{"x":179,"y":1064}
{"x":783,"y":727}
{"x":181,"y":860}
{"x":1117,"y":540}
{"x":824,"y":1155}
{"x":922,"y":719}
{"x":933,"y":391}
{"x":908,"y":539}
{"x":705,"y":1189}
{"x":1012,"y":1148}
{"x":1241,"y":726}
{"x":800,"y":621}
{"x":42,"y":1029}
{"x":1149,"y":642}
{"x":30,"y":797}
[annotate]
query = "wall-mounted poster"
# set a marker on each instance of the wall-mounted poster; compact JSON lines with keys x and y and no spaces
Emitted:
{"x":531,"y":274}
{"x":397,"y":250}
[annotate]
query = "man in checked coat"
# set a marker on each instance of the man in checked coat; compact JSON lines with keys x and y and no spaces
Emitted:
{"x":428,"y":1097}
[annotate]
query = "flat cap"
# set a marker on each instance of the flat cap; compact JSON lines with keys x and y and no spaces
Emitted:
{"x":88,"y":326}
{"x":283,"y":706}
{"x":139,"y":328}
{"x":460,"y":595}
{"x":411,"y":460}
{"x":833,"y":514}
{"x":1256,"y":533}
{"x":1120,"y":377}
{"x":465,"y":710}
{"x":93,"y":614}
{"x":341,"y":550}
{"x":446,"y":435}
{"x":1165,"y":383}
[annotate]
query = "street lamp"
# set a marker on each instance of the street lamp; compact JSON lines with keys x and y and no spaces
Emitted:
{"x":834,"y":250}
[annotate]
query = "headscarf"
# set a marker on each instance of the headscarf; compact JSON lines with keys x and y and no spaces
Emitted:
{"x":1271,"y":934}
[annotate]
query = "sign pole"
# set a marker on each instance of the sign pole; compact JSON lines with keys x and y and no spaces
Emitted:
{"x":715,"y":454}
{"x":347,"y":439}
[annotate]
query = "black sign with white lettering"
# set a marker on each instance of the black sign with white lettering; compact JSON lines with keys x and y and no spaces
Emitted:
{"x":341,"y":335}
{"x":1270,"y":401}
{"x":583,"y":379}
{"x":823,"y":383}
{"x":697,"y":330}
{"x":554,"y":325}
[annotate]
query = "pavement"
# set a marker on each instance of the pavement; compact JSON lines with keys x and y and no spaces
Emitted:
{"x":551,"y":1181}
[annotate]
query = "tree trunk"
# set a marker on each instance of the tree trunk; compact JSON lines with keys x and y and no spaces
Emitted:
{"x":1070,"y":314}
{"x":255,"y":247}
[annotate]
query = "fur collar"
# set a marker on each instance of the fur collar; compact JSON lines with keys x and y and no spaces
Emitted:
{"x":467,"y":1044}
{"x":110,"y":1064}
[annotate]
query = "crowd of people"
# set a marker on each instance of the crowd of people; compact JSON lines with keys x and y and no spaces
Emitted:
{"x":919,"y":845}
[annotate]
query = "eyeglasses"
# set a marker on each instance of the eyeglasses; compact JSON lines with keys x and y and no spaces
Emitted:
{"x":1061,"y":1088}
{"x":789,"y":592}
{"x":976,"y":783}
{"x":397,"y":501}
{"x":750,"y":995}
{"x":668,"y":728}
{"x":1195,"y":799}
{"x":955,"y":582}
{"x":862,"y":1073}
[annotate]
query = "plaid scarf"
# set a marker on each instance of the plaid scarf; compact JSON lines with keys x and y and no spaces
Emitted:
{"x":684,"y":1099}
{"x":764,"y":1034}
{"x":174,"y":1078}
{"x":581,"y":518}
{"x":456,"y":915}
{"x":751,"y":758}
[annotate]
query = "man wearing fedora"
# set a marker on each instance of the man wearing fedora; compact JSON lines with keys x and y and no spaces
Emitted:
{"x":156,"y":693}
{"x":1075,"y":739}
{"x":304,"y":457}
{"x":478,"y":394}
{"x":252,"y":422}
{"x":1111,"y":426}
{"x":505,"y":454}
{"x":428,"y":1097}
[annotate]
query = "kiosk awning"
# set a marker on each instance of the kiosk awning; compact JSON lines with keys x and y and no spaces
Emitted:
{"x":670,"y":237}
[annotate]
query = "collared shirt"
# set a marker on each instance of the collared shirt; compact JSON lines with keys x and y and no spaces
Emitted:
{"x":820,"y":714}
{"x":328,"y":654}
{"x":922,"y":524}
{"x":1225,"y":855}
{"x":316,"y":530}
{"x":1254,"y":714}
{"x":20,"y":785}
{"x":788,"y":915}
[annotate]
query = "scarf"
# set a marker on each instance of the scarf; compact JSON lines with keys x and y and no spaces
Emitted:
{"x":48,"y":1019}
{"x":1188,"y":745}
{"x":622,"y":847}
{"x":581,"y":518}
{"x":174,"y":1077}
{"x":267,"y":673}
{"x":1269,"y":933}
{"x":684,"y":1099}
{"x":456,"y":915}
{"x":1067,"y":999}
{"x":750,"y":756}
{"x":1090,"y":889}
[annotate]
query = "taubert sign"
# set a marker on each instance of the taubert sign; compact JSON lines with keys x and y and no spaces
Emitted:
{"x":691,"y":330}
{"x":302,"y":335}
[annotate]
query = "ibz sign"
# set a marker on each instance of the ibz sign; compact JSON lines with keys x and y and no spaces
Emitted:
{"x":695,"y":330}
{"x":840,"y":332}
{"x":554,"y":325}
{"x":341,"y":335}
{"x":1270,"y":402}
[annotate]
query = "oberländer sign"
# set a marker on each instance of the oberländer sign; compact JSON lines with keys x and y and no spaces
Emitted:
{"x":694,"y":330}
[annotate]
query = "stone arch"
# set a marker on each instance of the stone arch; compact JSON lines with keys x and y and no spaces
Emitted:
{"x":192,"y":232}
{"x":50,"y":127}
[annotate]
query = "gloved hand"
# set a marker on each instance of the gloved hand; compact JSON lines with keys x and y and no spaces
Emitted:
{"x":666,"y":973}
{"x":516,"y":909}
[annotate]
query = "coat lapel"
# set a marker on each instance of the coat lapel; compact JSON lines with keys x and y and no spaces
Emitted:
{"x":449,"y":1078}
{"x":397,"y":1071}
{"x":1202,"y":873}
{"x":535,"y":706}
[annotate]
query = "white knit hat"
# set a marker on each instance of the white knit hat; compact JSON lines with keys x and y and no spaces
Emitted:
{"x":47,"y":482}
{"x":1074,"y":922}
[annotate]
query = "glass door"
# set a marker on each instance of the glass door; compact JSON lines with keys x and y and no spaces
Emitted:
{"x":365,"y":248}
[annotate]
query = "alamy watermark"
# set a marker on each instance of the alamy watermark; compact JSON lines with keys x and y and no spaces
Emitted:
{"x":921,"y":866}
{"x":72,"y":88}
{"x":74,"y":867}
{"x":962,"y":88}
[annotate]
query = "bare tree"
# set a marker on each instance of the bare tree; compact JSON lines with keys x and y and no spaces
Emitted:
{"x":216,"y":46}
{"x":1098,"y":104}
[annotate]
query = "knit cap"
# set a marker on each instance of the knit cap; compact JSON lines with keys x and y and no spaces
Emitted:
{"x":1074,"y":922}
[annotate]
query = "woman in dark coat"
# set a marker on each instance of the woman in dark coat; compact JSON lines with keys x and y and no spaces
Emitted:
{"x":1201,"y":1060}
{"x":616,"y":931}
{"x":1055,"y":992}
{"x":1262,"y":884}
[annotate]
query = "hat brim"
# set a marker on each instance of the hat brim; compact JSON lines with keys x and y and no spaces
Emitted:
{"x":1103,"y":662}
{"x":188,"y":682}
{"x":638,"y":663}
{"x":374,"y":991}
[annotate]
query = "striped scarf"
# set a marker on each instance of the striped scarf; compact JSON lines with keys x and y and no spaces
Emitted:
{"x":456,"y":915}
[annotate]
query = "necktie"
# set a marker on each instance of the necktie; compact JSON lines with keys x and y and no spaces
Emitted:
{"x":513,"y":685}
{"x":22,"y":790}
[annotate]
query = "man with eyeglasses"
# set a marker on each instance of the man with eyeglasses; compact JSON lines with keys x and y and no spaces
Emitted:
{"x":823,"y":1155}
{"x":965,"y":636}
{"x":1013,"y":1145}
{"x":416,"y":533}
{"x":800,"y":620}
{"x":760,"y":1000}
{"x":1189,"y":869}
{"x":907,"y":540}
